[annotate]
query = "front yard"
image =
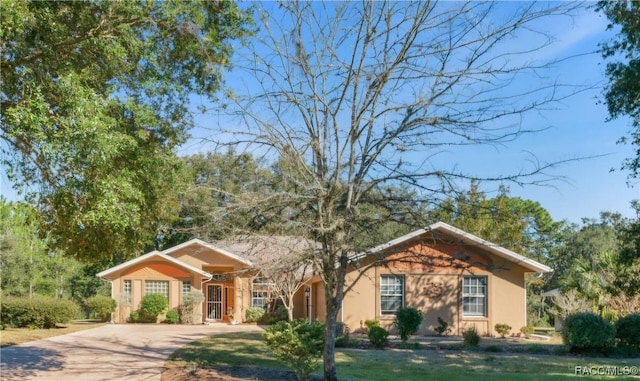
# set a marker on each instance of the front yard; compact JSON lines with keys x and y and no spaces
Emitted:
{"x":245,"y":356}
{"x":14,"y":336}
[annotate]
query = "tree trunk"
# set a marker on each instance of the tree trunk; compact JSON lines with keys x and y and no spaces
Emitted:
{"x":330,"y":372}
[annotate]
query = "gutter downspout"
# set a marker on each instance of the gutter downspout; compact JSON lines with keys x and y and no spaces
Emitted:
{"x":205,"y":299}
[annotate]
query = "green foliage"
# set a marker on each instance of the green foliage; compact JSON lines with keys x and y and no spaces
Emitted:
{"x":94,"y":100}
{"x":172,"y":316}
{"x":623,"y":90}
{"x":37,"y":312}
{"x":527,"y":330}
{"x":152,"y":305}
{"x":587,"y":332}
{"x":378,"y":336}
{"x":27,"y":268}
{"x":494,"y":348}
{"x":188,"y":308}
{"x":408,"y":321}
{"x":298,"y":344}
{"x":343,"y":336}
{"x":502,"y":329}
{"x":136,"y":317}
{"x":628,"y":331}
{"x":370,"y":323}
{"x":471,"y":337}
{"x":254,"y":314}
{"x":101,"y":306}
{"x":443,"y":327}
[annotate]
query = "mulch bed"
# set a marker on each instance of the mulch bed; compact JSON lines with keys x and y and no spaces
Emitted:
{"x":230,"y":373}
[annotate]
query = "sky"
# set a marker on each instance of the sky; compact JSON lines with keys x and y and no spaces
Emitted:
{"x":576,"y":131}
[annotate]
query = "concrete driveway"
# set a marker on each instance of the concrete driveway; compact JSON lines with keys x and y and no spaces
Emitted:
{"x":111,"y":352}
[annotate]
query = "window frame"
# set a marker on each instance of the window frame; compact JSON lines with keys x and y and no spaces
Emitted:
{"x":387,"y":293}
{"x":471,"y":297}
{"x":157,"y":282}
{"x":186,"y":283}
{"x":126,"y":290}
{"x":261,"y":290}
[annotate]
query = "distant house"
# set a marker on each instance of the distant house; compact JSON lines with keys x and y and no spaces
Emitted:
{"x":441,"y":270}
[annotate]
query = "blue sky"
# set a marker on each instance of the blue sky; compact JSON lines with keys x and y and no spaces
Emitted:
{"x":577,"y":128}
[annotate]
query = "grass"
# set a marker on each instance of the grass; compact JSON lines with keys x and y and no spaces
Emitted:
{"x":14,"y":336}
{"x":398,"y":364}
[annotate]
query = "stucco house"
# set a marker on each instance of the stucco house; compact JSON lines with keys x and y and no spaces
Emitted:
{"x":441,"y":270}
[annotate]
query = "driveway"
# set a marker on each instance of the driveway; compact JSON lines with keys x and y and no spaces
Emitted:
{"x":110,"y":352}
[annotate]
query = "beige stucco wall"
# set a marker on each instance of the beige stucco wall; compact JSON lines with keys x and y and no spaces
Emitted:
{"x":435,"y":288}
{"x":153,"y":269}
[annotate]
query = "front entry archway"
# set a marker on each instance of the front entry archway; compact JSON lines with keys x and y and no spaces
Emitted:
{"x":219,"y":302}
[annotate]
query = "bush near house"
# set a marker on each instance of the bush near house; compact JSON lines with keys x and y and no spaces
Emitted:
{"x":378,"y":336}
{"x":370,"y":323}
{"x":151,"y":306}
{"x":172,"y":316}
{"x":101,"y":306}
{"x":254,"y":314}
{"x":408,"y":321}
{"x":36,"y":312}
{"x":502,"y":329}
{"x":587,"y":332}
{"x":471,"y":337}
{"x":343,"y":336}
{"x":189,"y":314}
{"x":298,"y":344}
{"x":628,"y":332}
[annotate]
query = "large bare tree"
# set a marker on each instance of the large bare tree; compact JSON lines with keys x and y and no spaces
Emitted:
{"x":351,"y":97}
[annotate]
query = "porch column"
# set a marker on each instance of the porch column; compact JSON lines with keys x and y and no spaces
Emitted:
{"x":238,"y":307}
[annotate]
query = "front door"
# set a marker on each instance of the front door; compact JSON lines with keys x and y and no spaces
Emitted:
{"x":214,"y":302}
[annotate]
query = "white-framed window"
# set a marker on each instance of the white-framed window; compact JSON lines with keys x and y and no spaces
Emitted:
{"x":157,"y":287}
{"x":261,"y":289}
{"x":186,"y":286}
{"x":474,"y":296}
{"x":126,"y":290}
{"x":391,"y":294}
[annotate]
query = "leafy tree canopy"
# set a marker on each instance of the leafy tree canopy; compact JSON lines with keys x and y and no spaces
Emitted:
{"x":622,"y":94}
{"x":94,"y":98}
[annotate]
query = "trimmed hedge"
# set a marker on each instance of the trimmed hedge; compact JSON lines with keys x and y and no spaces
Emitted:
{"x":628,"y":331}
{"x":587,"y":332}
{"x":253,"y":314}
{"x":378,"y":336}
{"x":101,"y":306}
{"x":37,"y":312}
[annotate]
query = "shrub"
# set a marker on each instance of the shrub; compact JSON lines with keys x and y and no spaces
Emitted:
{"x":37,"y":312}
{"x":298,"y":344}
{"x":254,"y":314}
{"x":135,"y":317}
{"x":471,"y":337}
{"x":101,"y":306}
{"x":188,"y":311}
{"x":370,"y":323}
{"x":628,"y":331}
{"x":442,"y":328}
{"x":527,"y":330}
{"x":342,"y":335}
{"x":378,"y":336}
{"x":586,"y":332}
{"x":172,"y":316}
{"x":494,"y":348}
{"x":408,"y":321}
{"x":502,"y":329}
{"x":153,"y":305}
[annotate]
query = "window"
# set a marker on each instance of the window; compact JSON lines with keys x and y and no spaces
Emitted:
{"x":157,"y":287}
{"x":474,"y":296}
{"x":126,"y":290}
{"x":391,"y":294}
{"x":186,"y":286}
{"x":260,"y":292}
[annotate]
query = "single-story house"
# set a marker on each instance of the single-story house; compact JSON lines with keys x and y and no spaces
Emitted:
{"x":441,"y":270}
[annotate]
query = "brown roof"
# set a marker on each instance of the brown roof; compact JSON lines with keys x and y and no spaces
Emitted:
{"x":261,"y":249}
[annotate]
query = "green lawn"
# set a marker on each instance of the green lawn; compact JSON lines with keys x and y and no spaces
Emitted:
{"x":247,"y":349}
